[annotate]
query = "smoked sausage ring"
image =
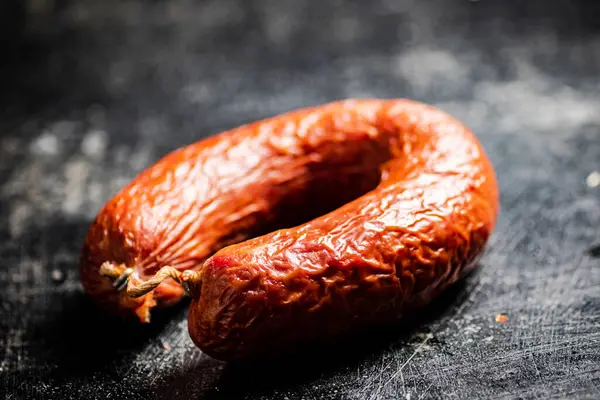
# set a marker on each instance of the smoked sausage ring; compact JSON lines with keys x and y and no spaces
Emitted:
{"x":400,"y":200}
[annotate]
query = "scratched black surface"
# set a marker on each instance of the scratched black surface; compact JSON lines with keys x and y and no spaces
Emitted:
{"x":92,"y":92}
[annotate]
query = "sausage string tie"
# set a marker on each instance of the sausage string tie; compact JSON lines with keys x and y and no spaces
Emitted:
{"x":189,"y":279}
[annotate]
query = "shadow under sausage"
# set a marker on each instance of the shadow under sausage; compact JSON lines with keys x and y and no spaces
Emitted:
{"x":310,"y":363}
{"x":82,"y":339}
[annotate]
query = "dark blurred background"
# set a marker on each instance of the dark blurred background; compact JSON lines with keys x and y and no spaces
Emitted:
{"x":92,"y":92}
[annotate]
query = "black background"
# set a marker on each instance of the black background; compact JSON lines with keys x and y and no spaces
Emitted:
{"x":94,"y":91}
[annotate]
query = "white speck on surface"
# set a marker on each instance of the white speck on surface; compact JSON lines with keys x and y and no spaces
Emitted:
{"x":94,"y":144}
{"x":593,"y":179}
{"x":76,"y":173}
{"x":19,"y":219}
{"x":166,"y":346}
{"x":45,"y":145}
{"x":57,"y":275}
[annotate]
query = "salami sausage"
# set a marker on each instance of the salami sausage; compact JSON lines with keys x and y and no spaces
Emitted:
{"x":298,"y":227}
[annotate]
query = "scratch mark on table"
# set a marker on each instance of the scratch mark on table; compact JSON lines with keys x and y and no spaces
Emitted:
{"x":399,"y":371}
{"x":403,"y":383}
{"x":422,"y":395}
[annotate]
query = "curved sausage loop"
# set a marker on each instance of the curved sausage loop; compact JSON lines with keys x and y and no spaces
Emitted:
{"x":414,"y":200}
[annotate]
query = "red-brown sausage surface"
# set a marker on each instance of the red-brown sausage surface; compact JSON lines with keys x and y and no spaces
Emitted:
{"x":417,"y":200}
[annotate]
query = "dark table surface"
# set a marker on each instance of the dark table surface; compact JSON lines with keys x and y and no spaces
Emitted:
{"x":94,"y":91}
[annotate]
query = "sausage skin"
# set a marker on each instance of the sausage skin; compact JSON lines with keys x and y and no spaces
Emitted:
{"x":400,"y":200}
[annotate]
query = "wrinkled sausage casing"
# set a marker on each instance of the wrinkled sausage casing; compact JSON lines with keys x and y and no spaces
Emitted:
{"x":400,"y":200}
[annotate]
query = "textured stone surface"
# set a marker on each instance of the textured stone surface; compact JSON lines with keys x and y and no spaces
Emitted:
{"x":93,"y":92}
